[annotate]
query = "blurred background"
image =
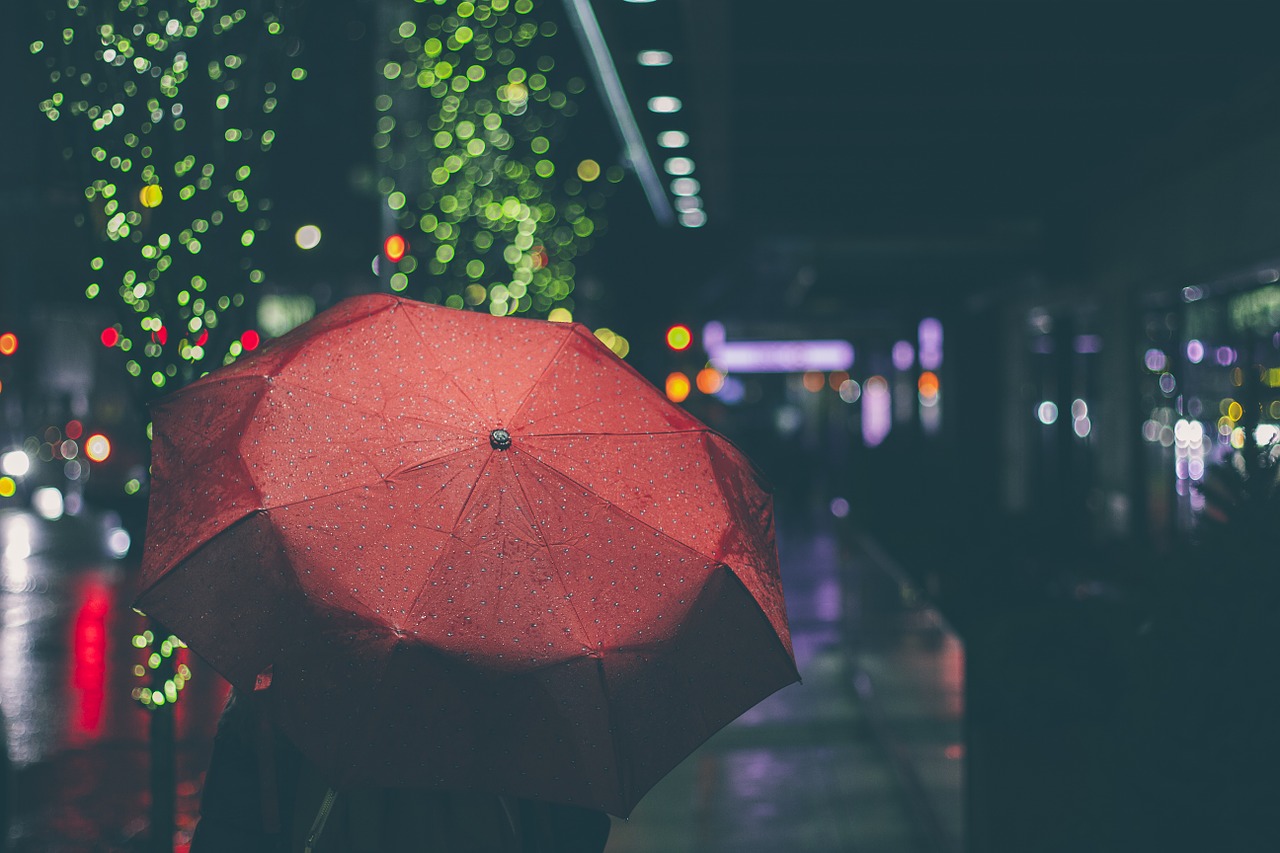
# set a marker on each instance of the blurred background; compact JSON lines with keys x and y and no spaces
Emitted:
{"x":990,"y":291}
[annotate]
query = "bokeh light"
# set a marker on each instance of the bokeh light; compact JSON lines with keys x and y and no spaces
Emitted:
{"x":678,"y":166}
{"x":927,"y":385}
{"x":709,"y":380}
{"x":653,"y":58}
{"x":695,"y":218}
{"x":307,"y":237}
{"x":673,"y":139}
{"x":15,"y":463}
{"x":679,"y":337}
{"x":395,"y":248}
{"x":151,"y":195}
{"x":678,"y":387}
{"x":97,"y":447}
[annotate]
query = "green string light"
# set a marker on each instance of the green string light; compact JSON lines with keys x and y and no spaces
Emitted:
{"x":152,"y":695}
{"x":469,"y":139}
{"x":169,"y":145}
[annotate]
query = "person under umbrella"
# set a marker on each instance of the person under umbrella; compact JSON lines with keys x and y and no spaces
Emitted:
{"x":469,"y":554}
{"x":261,"y":795}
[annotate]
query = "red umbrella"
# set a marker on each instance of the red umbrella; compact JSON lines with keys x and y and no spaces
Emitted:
{"x":476,"y":553}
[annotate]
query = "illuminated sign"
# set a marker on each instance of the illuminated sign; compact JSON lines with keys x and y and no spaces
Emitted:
{"x":774,"y":356}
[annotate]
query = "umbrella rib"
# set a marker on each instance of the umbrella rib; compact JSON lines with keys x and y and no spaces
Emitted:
{"x":302,"y":500}
{"x":624,"y":777}
{"x":626,"y":511}
{"x":642,"y":433}
{"x":412,"y":322}
{"x":545,"y":370}
{"x":276,"y":379}
{"x":471,"y":495}
{"x":537,"y":528}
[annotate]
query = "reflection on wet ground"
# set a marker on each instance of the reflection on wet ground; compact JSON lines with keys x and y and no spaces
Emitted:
{"x":78,"y":743}
{"x":817,"y":766}
{"x":812,"y":768}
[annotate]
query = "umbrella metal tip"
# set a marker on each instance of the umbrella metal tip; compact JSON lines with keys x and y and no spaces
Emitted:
{"x":500,"y":439}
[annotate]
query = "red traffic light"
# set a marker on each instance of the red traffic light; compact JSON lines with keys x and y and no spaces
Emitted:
{"x":395,"y":248}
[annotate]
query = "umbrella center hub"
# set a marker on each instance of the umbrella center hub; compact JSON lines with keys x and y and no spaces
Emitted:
{"x":500,"y":439}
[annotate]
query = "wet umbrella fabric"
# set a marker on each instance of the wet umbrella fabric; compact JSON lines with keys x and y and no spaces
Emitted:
{"x":475,"y":553}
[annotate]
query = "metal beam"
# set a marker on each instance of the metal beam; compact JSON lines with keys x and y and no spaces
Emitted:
{"x":587,"y":29}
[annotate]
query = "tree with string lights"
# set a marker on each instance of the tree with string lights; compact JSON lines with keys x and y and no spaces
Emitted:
{"x":172,"y":110}
{"x":476,"y":165}
{"x":169,"y":109}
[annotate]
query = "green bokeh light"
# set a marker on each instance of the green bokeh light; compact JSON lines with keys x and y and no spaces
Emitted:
{"x":476,"y":162}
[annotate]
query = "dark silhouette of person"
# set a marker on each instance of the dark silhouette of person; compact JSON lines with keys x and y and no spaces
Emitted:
{"x":261,"y":795}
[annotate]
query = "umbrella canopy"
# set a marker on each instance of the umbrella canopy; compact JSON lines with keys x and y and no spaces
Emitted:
{"x":476,"y":553}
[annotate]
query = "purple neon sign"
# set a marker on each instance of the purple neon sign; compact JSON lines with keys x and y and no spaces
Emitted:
{"x":774,"y":356}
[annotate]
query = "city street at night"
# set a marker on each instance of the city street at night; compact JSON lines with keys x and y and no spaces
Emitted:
{"x":825,"y":428}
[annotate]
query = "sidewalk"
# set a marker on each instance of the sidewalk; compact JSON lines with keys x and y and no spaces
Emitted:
{"x":816,"y":767}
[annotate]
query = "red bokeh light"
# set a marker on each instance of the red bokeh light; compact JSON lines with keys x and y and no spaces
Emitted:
{"x":74,"y":429}
{"x":395,"y":248}
{"x":204,"y":336}
{"x":110,"y":337}
{"x":250,"y":340}
{"x":160,"y":336}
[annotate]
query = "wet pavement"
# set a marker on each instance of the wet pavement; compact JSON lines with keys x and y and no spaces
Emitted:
{"x":78,"y":742}
{"x":865,"y":755}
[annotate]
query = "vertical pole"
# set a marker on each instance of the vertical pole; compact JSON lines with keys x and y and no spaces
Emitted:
{"x":163,"y":757}
{"x":383,"y":21}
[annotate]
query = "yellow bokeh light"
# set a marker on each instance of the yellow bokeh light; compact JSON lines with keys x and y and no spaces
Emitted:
{"x":560,"y":315}
{"x":678,"y":387}
{"x":1235,"y":411}
{"x":97,"y":447}
{"x":7,"y":487}
{"x":151,"y":195}
{"x":588,"y":170}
